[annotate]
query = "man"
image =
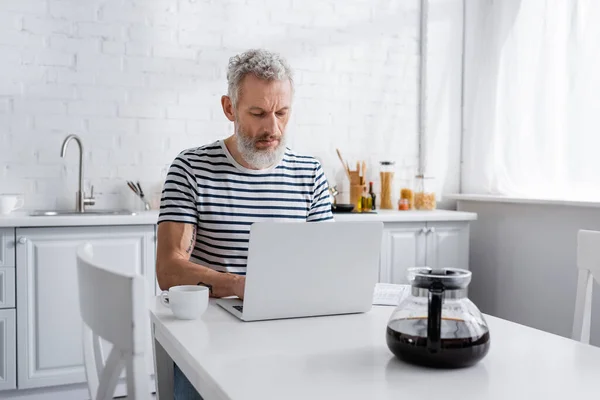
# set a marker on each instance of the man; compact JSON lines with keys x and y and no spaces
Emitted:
{"x":213,"y":193}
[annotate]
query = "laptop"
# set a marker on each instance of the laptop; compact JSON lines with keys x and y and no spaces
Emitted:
{"x":308,"y":269}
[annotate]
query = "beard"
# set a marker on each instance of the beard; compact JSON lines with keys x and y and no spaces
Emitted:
{"x":259,"y":159}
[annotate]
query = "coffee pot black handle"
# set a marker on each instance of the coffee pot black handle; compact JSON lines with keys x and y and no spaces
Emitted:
{"x":434,"y":317}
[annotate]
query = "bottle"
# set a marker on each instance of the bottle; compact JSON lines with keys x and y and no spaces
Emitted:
{"x":373,"y":197}
{"x":366,"y":201}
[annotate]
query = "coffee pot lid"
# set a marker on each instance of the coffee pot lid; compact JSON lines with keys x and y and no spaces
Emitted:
{"x":449,"y":278}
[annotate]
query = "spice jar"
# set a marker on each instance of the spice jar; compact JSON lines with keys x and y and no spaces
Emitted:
{"x":425,"y":193}
{"x":403,"y":205}
{"x":386,"y":175}
{"x":407,"y":193}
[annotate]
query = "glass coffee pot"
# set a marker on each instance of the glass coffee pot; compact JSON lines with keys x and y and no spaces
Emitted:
{"x":437,"y":325}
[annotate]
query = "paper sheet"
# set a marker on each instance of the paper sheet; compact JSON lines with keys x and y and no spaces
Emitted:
{"x":388,"y":294}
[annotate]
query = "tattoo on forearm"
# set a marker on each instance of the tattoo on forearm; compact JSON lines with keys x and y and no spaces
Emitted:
{"x":192,"y":241}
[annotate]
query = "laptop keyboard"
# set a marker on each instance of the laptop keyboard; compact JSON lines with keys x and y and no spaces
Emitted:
{"x":239,"y":308}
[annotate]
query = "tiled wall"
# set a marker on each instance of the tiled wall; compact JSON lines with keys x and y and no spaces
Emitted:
{"x":140,"y":80}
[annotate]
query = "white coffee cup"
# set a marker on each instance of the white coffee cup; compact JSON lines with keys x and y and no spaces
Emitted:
{"x":186,"y":301}
{"x":10,"y":203}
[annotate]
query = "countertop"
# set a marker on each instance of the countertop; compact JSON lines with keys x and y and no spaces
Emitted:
{"x":22,"y":219}
{"x":408,"y":216}
{"x":346,"y":357}
{"x":522,"y":200}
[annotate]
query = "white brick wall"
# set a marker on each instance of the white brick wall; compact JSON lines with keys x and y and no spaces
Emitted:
{"x":141,"y":80}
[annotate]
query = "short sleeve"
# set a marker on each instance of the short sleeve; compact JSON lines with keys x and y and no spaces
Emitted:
{"x":179,"y":196}
{"x":320,"y":208}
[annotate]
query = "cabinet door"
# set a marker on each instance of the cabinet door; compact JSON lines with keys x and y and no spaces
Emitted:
{"x":404,"y":247}
{"x":7,"y":288}
{"x":8,"y":344}
{"x":448,"y":245}
{"x":7,"y":247}
{"x":48,"y":320}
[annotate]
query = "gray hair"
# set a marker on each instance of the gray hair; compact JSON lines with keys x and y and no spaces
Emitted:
{"x":262,"y":63}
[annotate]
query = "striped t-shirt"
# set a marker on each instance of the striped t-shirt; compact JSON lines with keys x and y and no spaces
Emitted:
{"x":206,"y":187}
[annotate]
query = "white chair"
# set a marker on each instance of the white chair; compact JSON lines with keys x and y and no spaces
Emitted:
{"x":113,"y":308}
{"x":588,"y":263}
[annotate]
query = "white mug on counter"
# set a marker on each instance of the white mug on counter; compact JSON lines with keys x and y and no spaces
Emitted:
{"x":10,"y":203}
{"x":186,"y":301}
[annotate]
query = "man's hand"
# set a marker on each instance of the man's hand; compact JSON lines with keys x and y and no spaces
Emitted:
{"x":239,"y":286}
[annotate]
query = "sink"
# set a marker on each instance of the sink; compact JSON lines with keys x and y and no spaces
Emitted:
{"x":62,"y":213}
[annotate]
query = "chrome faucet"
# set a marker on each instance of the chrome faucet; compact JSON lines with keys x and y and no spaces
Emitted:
{"x":81,"y":200}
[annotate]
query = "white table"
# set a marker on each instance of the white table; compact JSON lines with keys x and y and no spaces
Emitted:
{"x":346,"y":357}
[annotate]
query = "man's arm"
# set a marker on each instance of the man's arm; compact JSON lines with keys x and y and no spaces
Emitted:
{"x":176,"y":242}
{"x":320,"y":208}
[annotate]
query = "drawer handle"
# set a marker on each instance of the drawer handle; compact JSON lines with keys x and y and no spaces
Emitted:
{"x":22,"y":240}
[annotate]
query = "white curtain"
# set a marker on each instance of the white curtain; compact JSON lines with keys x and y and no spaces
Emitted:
{"x":532,"y":98}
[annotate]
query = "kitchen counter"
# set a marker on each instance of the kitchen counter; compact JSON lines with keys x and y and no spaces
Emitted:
{"x":408,"y":216}
{"x":522,"y":200}
{"x":22,"y":219}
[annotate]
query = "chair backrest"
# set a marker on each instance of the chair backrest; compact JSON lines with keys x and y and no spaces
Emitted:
{"x":112,"y":307}
{"x":588,"y":264}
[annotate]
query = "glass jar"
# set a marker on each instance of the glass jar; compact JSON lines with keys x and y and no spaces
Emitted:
{"x":386,"y":176}
{"x":403,"y":205}
{"x":406,"y":192}
{"x":424,"y":193}
{"x":437,"y":325}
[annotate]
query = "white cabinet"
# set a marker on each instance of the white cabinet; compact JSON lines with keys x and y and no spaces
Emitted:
{"x":48,"y":321}
{"x":420,"y":244}
{"x":448,"y":245}
{"x":7,"y":268}
{"x":8,"y":354}
{"x":7,"y":247}
{"x":8,"y":337}
{"x":7,"y":287}
{"x":403,"y":247}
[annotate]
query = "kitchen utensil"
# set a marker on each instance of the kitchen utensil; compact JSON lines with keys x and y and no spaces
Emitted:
{"x":10,"y":203}
{"x":140,"y":187}
{"x":137,"y":189}
{"x":133,"y":188}
{"x":344,"y":164}
{"x":364,"y":172}
{"x":437,"y":325}
{"x":333,"y":192}
{"x":342,"y":208}
{"x":143,"y":197}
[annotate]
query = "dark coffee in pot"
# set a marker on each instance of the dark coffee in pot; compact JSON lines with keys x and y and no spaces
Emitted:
{"x":462,"y":344}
